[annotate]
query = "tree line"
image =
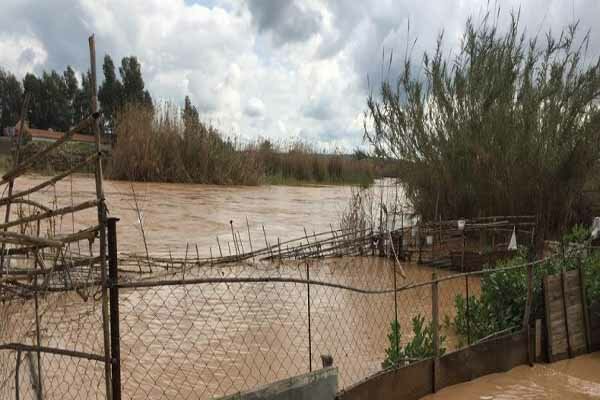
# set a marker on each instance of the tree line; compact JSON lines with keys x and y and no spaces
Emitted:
{"x":59,"y":100}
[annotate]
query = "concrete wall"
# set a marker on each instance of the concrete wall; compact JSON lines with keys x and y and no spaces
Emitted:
{"x":316,"y":385}
{"x":416,"y":380}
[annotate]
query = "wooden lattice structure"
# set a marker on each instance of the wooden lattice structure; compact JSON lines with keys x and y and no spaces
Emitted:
{"x":53,"y":278}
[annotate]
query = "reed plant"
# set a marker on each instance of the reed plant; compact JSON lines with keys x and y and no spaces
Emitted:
{"x":509,"y":124}
{"x":158,"y":144}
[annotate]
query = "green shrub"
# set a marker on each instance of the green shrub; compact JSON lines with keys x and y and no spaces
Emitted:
{"x":394,"y":353}
{"x":578,"y":234}
{"x":503,"y":298}
{"x":419,"y":347}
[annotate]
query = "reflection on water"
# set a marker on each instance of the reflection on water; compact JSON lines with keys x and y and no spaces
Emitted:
{"x":578,"y":378}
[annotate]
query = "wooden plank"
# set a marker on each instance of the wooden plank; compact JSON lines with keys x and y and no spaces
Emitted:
{"x":565,"y":315}
{"x":584,"y":309}
{"x":546,"y":290}
{"x":562,"y":284}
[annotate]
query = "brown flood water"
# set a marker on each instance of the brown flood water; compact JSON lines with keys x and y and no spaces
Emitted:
{"x":578,"y":378}
{"x":176,"y":214}
{"x":208,"y":340}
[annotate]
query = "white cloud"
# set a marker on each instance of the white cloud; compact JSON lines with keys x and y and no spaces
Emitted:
{"x":21,"y":55}
{"x":255,"y":108}
{"x":278,"y":69}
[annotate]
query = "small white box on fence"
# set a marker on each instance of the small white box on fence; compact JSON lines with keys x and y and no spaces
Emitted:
{"x":461,"y":224}
{"x":429,"y":240}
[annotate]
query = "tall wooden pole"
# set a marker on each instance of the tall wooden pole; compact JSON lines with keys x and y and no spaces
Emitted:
{"x":101,"y":221}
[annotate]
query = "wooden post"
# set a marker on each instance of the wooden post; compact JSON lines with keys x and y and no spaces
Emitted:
{"x":219,"y":244}
{"x":527,"y":316}
{"x":468,"y":314}
{"x":435,"y":328}
{"x":267,"y":243}
{"x":549,"y":329}
{"x":101,"y":221}
{"x":250,"y":239}
{"x":564,"y":302}
{"x":235,"y":246}
{"x":187,"y":245}
{"x":584,"y":306}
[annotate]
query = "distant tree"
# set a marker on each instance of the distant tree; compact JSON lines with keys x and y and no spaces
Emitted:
{"x":148,"y":102}
{"x":190,"y":116}
{"x":33,"y":86}
{"x":133,"y":83}
{"x":55,"y":104}
{"x":110,"y":93}
{"x":71,"y":91}
{"x":11,"y":95}
{"x":83,"y":100}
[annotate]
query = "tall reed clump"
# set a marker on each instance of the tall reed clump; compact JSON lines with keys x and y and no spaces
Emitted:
{"x":507,"y":125}
{"x":159,"y":145}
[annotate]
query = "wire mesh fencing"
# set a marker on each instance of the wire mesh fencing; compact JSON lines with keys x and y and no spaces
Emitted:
{"x":228,"y":328}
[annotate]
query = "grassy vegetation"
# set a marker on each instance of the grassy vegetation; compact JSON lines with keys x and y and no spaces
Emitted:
{"x":160,"y":145}
{"x":301,"y":163}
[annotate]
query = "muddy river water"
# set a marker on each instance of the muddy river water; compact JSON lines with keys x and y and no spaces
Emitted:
{"x":176,"y":214}
{"x":208,"y":340}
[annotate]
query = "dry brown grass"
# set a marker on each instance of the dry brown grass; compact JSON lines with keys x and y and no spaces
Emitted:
{"x":155,"y":145}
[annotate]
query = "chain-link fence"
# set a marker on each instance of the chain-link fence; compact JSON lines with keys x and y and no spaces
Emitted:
{"x":224,"y":329}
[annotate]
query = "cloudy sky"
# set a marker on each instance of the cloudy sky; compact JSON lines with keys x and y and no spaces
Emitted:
{"x":275,"y":68}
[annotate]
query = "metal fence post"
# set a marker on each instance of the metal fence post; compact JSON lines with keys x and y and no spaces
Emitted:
{"x":309,"y":332}
{"x":435,"y":326}
{"x":113,"y":276}
{"x":397,"y":338}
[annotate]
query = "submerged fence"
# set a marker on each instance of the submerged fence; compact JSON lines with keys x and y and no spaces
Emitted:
{"x":215,"y":329}
{"x":224,"y":329}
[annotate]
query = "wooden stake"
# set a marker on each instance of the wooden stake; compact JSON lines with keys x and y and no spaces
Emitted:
{"x":101,"y":221}
{"x":250,"y":239}
{"x":219,"y":244}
